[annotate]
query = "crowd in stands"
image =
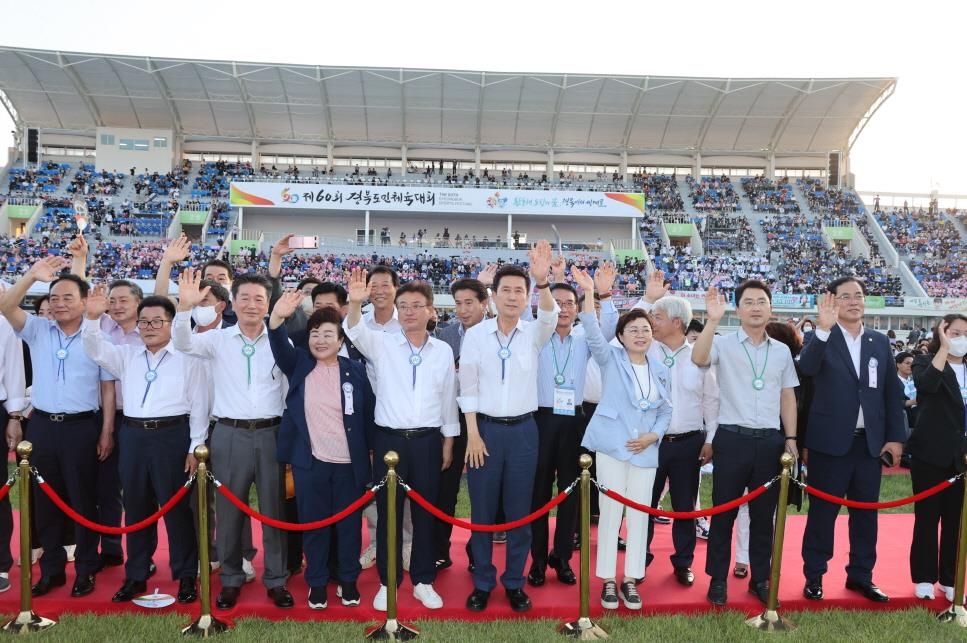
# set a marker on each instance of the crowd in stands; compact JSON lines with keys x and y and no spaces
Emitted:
{"x":792,"y":232}
{"x":88,"y":181}
{"x":770,"y":196}
{"x":725,"y":271}
{"x":44,"y":178}
{"x":661,"y":191}
{"x":726,"y":233}
{"x":806,"y":270}
{"x":712,"y":193}
{"x":919,"y":232}
{"x":169,"y":184}
{"x":823,"y":200}
{"x":943,"y":276}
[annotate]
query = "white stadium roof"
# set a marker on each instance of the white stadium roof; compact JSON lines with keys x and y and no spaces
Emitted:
{"x":78,"y":92}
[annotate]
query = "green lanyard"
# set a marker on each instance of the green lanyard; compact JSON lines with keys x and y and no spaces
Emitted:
{"x":559,"y":378}
{"x":758,"y":383}
{"x":669,"y":360}
{"x":248,"y":350}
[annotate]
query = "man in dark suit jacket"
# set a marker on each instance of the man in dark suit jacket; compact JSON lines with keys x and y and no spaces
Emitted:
{"x":856,"y":418}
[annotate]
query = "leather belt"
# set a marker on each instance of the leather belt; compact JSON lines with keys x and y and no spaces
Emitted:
{"x":65,"y":417}
{"x":744,"y":430}
{"x":251,"y":425}
{"x":506,"y":421}
{"x":676,"y":437}
{"x":857,"y":433}
{"x":409,"y":434}
{"x":156,"y":423}
{"x":549,"y":410}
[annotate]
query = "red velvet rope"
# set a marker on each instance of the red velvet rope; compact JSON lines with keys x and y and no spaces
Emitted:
{"x":507,"y":526}
{"x":295,"y":526}
{"x":103,"y":529}
{"x":5,"y":490}
{"x":856,"y":504}
{"x":685,"y":515}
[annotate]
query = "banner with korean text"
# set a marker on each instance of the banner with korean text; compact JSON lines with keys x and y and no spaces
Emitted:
{"x":315,"y":196}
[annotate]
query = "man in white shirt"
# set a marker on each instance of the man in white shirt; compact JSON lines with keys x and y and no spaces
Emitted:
{"x":249,"y":399}
{"x":411,"y":415}
{"x":14,"y":396}
{"x":155,"y":437}
{"x":498,"y":395}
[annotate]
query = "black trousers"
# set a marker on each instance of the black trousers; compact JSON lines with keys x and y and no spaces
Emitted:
{"x":678,"y":465}
{"x":742,"y":462}
{"x":449,"y":490}
{"x":65,"y":454}
{"x":109,"y":505}
{"x":928,"y":564}
{"x":558,"y":449}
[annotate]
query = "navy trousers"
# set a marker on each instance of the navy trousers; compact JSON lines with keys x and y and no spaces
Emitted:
{"x":559,"y":447}
{"x":678,"y":465}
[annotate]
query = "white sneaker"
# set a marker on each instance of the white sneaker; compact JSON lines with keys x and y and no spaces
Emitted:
{"x":368,"y":558}
{"x":70,"y":552}
{"x":379,"y":601}
{"x":425,"y":593}
{"x":925,"y":591}
{"x":949,"y":593}
{"x":249,"y":570}
{"x":35,"y":554}
{"x":4,"y":582}
{"x":407,"y":554}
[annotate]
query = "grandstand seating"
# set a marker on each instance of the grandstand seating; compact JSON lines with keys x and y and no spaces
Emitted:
{"x":770,"y":196}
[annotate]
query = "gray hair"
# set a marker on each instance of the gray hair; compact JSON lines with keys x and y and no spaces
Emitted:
{"x":674,"y":308}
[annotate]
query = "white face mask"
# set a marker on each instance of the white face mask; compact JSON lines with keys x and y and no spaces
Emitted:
{"x":958,"y":346}
{"x":204,"y":315}
{"x":307,"y":304}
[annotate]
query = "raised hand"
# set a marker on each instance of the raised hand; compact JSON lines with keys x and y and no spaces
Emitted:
{"x":190,"y":292}
{"x":281,"y":247}
{"x":357,"y":287}
{"x":604,"y":278}
{"x":714,"y":304}
{"x":943,"y":337}
{"x":78,"y":246}
{"x":48,"y":268}
{"x":97,"y":303}
{"x":287,"y":304}
{"x":583,"y":279}
{"x":655,"y":287}
{"x":826,"y":314}
{"x":486,"y":276}
{"x":558,"y":269}
{"x":177,"y":251}
{"x":540,"y":261}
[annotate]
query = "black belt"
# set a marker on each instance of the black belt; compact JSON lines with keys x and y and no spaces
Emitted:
{"x":65,"y":417}
{"x":858,"y":433}
{"x":549,"y":410}
{"x":744,"y":430}
{"x":409,"y":434}
{"x":251,"y":425}
{"x":675,"y":437}
{"x":506,"y":421}
{"x":157,"y":423}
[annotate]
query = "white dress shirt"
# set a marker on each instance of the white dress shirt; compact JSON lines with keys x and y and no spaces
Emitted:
{"x":420,"y":396}
{"x":694,"y":391}
{"x":392,"y":326}
{"x":236,"y":396}
{"x":508,"y":390}
{"x":855,"y":346}
{"x":179,"y":388}
{"x":13,"y":381}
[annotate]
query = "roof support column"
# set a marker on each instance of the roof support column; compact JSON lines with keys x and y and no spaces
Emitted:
{"x":403,"y":159}
{"x":771,"y":166}
{"x":256,"y":158}
{"x":697,"y":166}
{"x":623,"y":167}
{"x":328,"y":156}
{"x":550,"y":164}
{"x":476,"y":160}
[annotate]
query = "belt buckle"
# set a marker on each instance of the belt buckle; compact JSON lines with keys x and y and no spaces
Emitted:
{"x":252,"y":424}
{"x":151,"y":424}
{"x":56,"y":417}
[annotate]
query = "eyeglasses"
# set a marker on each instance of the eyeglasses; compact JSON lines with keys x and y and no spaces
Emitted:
{"x":566,"y":304}
{"x":403,"y":308}
{"x":754,"y":302}
{"x":848,"y":298}
{"x":153,"y":323}
{"x":644,"y":330}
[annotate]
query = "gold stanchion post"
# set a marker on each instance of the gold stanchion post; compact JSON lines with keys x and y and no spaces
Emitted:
{"x":956,"y":612}
{"x":584,"y":628}
{"x":770,"y":620}
{"x":206,"y":625}
{"x":26,"y":620}
{"x":392,"y":629}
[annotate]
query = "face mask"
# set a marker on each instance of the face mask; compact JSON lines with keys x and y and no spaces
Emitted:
{"x":204,"y":315}
{"x":958,"y":346}
{"x":307,"y":304}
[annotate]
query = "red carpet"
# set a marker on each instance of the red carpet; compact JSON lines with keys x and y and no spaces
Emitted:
{"x":660,"y":593}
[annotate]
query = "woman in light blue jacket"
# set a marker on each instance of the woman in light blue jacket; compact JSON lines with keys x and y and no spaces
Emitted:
{"x":624,"y":432}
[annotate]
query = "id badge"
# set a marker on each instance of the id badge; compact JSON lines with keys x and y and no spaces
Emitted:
{"x":563,"y":401}
{"x":347,"y":394}
{"x":871,"y":371}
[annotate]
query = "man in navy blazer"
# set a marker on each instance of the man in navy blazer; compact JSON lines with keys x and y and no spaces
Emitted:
{"x":856,"y":418}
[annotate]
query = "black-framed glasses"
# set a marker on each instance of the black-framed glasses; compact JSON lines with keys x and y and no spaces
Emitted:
{"x":153,"y":323}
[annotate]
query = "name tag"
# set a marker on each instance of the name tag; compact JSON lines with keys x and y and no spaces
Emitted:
{"x":871,"y":371}
{"x":563,"y":401}
{"x":347,"y":397}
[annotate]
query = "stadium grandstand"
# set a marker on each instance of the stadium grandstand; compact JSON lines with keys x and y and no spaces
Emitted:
{"x":439,"y":173}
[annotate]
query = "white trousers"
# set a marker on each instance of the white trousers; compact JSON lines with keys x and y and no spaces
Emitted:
{"x":634,"y":483}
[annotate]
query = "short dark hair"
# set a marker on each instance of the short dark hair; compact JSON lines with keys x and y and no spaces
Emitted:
{"x":511,"y":270}
{"x":219,"y":291}
{"x":902,"y":355}
{"x":327,"y":287}
{"x":385,"y":270}
{"x":418,"y":286}
{"x":836,"y":283}
{"x":475,"y":285}
{"x":82,"y":285}
{"x":40,"y":302}
{"x":157,"y":301}
{"x":566,"y":287}
{"x":934,"y":344}
{"x":784,"y":333}
{"x":695,"y":325}
{"x":630,"y":316}
{"x":756,"y":284}
{"x":308,"y":280}
{"x":219,"y":263}
{"x":324,"y":316}
{"x":251,"y":278}
{"x":124,"y":283}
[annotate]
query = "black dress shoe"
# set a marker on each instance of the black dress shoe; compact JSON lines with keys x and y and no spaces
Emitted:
{"x":717,"y":592}
{"x":83,"y":586}
{"x":129,"y":590}
{"x":761,"y":591}
{"x":519,"y":601}
{"x":813,"y":589}
{"x":152,"y":568}
{"x":281,"y":597}
{"x":622,"y":545}
{"x":227,"y":598}
{"x":869,"y":590}
{"x":685,"y":576}
{"x":443,"y":563}
{"x":470,"y":563}
{"x":563,"y":569}
{"x":536,"y":575}
{"x":187,"y":590}
{"x":47,"y":583}
{"x":477,"y":601}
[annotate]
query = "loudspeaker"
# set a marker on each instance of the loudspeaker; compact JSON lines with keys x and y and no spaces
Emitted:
{"x":32,"y":148}
{"x":832,"y":175}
